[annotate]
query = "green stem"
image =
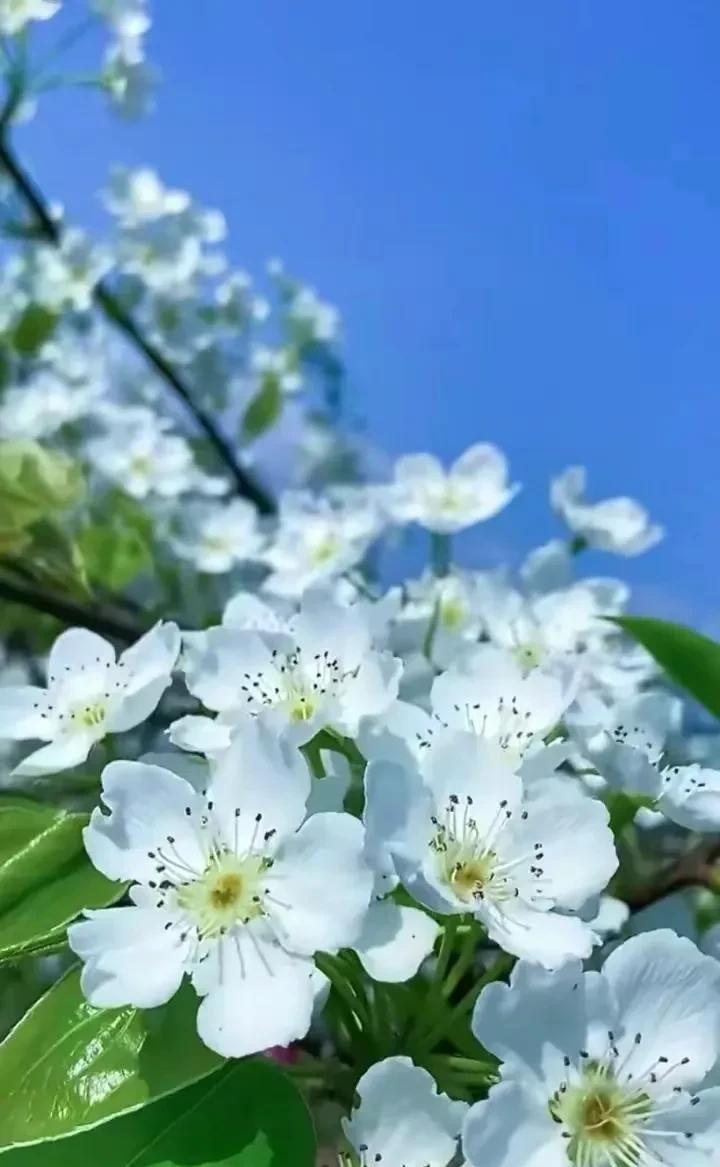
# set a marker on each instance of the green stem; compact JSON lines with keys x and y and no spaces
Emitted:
{"x":440,"y":552}
{"x":433,"y":1004}
{"x":500,"y":968}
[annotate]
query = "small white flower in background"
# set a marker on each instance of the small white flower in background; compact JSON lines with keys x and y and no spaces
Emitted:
{"x":402,"y":1118}
{"x":602,"y":1069}
{"x":128,"y":79}
{"x":40,"y":407}
{"x":621,"y":524}
{"x":230,"y":887}
{"x":136,"y":197}
{"x":66,"y":276}
{"x":137,"y":452}
{"x":443,"y":615}
{"x":319,"y":538}
{"x":317,"y":319}
{"x":15,"y":15}
{"x":129,"y":19}
{"x":277,"y":365}
{"x":237,"y":305}
{"x":466,"y":836}
{"x":490,"y":694}
{"x":216,"y":536}
{"x":90,"y":693}
{"x":170,"y":253}
{"x":473,"y":489}
{"x":320,"y":671}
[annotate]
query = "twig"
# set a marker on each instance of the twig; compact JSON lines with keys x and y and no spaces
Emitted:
{"x":69,"y":611}
{"x":113,"y":310}
{"x":697,"y":868}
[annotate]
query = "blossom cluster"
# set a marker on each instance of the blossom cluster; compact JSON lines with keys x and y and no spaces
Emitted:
{"x":378,"y":774}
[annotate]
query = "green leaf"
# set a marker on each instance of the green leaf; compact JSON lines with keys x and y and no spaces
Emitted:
{"x":67,"y":1065}
{"x":46,"y":878}
{"x":264,"y":409}
{"x":246,"y":1115}
{"x":689,"y":658}
{"x":35,"y":483}
{"x":35,"y":326}
{"x":113,"y":555}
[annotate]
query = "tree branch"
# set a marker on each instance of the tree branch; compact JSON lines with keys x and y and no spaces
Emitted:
{"x":71,"y":612}
{"x":699,"y":867}
{"x":113,"y":310}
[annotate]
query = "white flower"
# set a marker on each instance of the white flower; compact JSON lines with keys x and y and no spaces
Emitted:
{"x":128,"y":78}
{"x":277,"y":365}
{"x":66,"y":276}
{"x":16,"y":14}
{"x":138,"y":196}
{"x":475,"y":488}
{"x":490,"y":694}
{"x":231,"y":889}
{"x":466,"y":837}
{"x":600,"y":1069}
{"x":216,"y":536}
{"x":319,"y":671}
{"x":317,"y":319}
{"x":40,"y":407}
{"x":90,"y":693}
{"x":318,"y":538}
{"x":129,"y":19}
{"x":402,"y":1118}
{"x":142,"y":458}
{"x":621,"y":524}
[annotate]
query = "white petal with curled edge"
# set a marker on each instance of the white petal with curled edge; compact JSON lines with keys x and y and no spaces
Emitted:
{"x":201,"y":735}
{"x":513,"y":1128}
{"x":65,"y":752}
{"x":546,"y":938}
{"x":668,"y":993}
{"x":395,"y":940}
{"x":320,"y":885}
{"x":21,"y":713}
{"x":78,"y":649}
{"x":130,"y":958}
{"x":148,"y":807}
{"x":256,"y":995}
{"x":402,"y":1118}
{"x":259,"y":787}
{"x":153,"y":656}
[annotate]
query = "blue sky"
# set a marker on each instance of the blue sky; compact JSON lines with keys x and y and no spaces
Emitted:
{"x":516,"y":207}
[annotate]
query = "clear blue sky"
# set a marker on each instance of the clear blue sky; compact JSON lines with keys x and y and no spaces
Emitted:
{"x":516,"y":206}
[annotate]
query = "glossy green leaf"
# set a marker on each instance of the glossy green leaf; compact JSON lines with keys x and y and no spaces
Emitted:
{"x":35,"y":326}
{"x":35,"y":483}
{"x":246,"y":1115}
{"x":689,"y":658}
{"x":46,"y":878}
{"x":67,"y":1065}
{"x":264,"y":409}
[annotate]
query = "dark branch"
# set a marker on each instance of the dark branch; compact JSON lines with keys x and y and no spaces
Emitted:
{"x":699,"y":867}
{"x":70,"y":611}
{"x":245,"y":484}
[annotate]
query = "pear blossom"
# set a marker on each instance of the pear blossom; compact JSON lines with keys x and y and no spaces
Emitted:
{"x":319,"y":671}
{"x":138,"y":196}
{"x":466,"y":836}
{"x":39,"y":408}
{"x":230,"y":888}
{"x":474,"y":489}
{"x":127,"y":77}
{"x":129,"y":19}
{"x":316,"y":319}
{"x":602,"y":1069}
{"x":15,"y":15}
{"x":215,"y":536}
{"x":90,"y":693}
{"x":621,"y":525}
{"x":65,"y":276}
{"x":277,"y":365}
{"x":402,"y":1118}
{"x":140,"y":454}
{"x":318,"y":539}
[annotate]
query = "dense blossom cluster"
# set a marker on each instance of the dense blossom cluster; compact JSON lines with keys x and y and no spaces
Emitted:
{"x":399,"y":830}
